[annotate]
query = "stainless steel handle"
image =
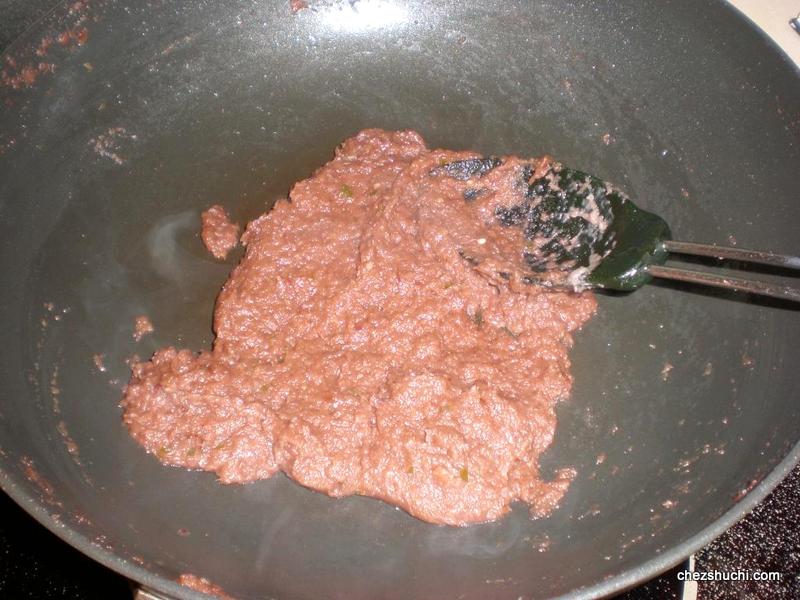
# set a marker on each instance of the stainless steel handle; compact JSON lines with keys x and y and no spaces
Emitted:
{"x":143,"y":593}
{"x":764,"y":288}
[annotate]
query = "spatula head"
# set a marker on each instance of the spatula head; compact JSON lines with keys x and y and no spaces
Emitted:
{"x":586,"y":229}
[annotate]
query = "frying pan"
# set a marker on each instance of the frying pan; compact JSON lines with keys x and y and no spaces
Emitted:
{"x":684,"y":412}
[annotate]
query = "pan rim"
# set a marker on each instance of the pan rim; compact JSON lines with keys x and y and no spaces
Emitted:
{"x":739,"y":13}
{"x":618,"y":583}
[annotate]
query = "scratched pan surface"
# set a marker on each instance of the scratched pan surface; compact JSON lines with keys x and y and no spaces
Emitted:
{"x":684,"y":412}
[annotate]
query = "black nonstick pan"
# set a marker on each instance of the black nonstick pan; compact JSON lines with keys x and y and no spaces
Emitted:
{"x":120,"y":121}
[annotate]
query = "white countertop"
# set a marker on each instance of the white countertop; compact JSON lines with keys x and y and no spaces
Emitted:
{"x":773,"y":17}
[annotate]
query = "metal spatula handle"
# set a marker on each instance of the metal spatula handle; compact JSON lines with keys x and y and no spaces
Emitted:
{"x":723,"y":281}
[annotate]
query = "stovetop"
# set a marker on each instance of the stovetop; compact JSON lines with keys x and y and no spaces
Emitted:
{"x":35,"y":564}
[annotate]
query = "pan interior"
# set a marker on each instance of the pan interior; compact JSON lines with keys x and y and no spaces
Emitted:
{"x":683,"y":398}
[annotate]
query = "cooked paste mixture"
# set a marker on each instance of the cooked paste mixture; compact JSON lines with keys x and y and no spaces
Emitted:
{"x":202,"y":585}
{"x":219,"y":235}
{"x":142,"y":326}
{"x":361,"y":348}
